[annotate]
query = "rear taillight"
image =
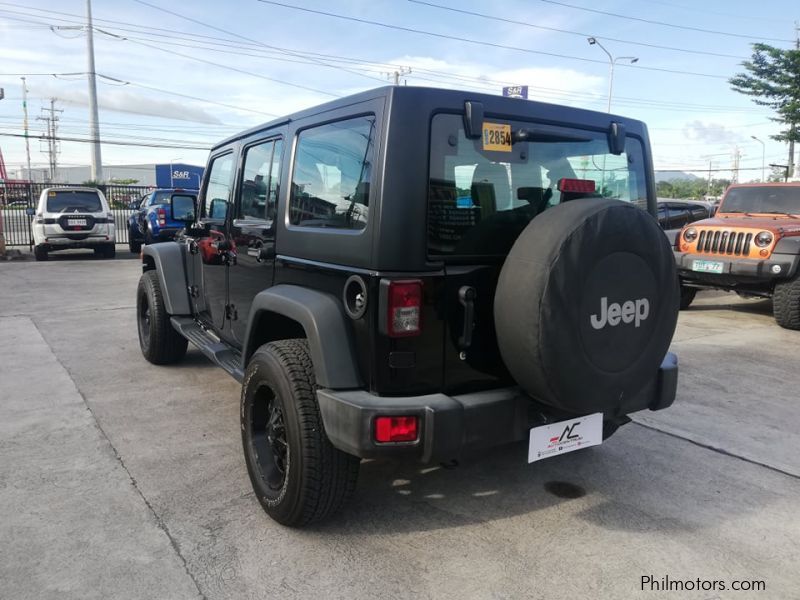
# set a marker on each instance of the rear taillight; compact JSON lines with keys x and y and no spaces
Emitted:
{"x":110,"y":218}
{"x":404,"y":316}
{"x":162,"y":216}
{"x":396,"y":429}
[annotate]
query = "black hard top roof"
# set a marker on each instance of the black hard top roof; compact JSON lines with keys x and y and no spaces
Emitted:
{"x":454,"y":99}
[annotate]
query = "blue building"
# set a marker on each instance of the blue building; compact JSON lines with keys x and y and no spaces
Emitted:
{"x":179,"y":175}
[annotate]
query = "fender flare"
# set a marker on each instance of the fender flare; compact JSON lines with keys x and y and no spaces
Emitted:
{"x":168,"y":260}
{"x":322,"y":318}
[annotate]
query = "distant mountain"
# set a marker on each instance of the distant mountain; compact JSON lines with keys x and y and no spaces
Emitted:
{"x":670,"y":175}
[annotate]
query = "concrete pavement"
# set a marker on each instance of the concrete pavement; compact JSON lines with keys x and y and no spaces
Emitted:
{"x":707,"y":489}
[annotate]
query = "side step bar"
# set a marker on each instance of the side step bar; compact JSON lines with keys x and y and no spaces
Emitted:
{"x":216,"y":350}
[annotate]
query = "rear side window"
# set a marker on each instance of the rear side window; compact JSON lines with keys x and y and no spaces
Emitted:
{"x":68,"y":200}
{"x":332,"y":171}
{"x":483,"y":192}
{"x":260,"y":179}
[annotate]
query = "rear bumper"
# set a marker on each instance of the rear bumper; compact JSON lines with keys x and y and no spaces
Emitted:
{"x":746,"y":270}
{"x":166,"y":233}
{"x":63,"y":243}
{"x":451,"y":426}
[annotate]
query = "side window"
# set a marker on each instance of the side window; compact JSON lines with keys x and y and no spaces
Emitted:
{"x":218,"y":190}
{"x":260,"y":180}
{"x":255,"y":181}
{"x":332,"y":171}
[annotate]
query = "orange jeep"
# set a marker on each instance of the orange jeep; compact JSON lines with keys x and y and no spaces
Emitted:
{"x":751,"y":246}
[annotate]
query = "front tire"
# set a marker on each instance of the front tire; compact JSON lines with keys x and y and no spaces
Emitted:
{"x":786,"y":303}
{"x":297,"y":474}
{"x":687,"y":296}
{"x":39,"y":253}
{"x":158,"y":340}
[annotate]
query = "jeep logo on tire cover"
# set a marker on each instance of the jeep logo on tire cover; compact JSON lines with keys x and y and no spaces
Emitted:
{"x":630,"y":311}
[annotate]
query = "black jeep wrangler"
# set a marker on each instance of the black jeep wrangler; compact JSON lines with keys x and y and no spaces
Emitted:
{"x":420,"y":274}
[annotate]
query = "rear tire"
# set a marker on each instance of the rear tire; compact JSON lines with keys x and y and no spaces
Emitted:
{"x":158,"y":340}
{"x":297,"y":474}
{"x":135,"y":246}
{"x":39,"y":253}
{"x":687,"y":296}
{"x":110,"y":251}
{"x":786,"y":303}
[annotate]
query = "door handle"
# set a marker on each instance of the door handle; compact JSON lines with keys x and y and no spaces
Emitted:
{"x":466,"y":296}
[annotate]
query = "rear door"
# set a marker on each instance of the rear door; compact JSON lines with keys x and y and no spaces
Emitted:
{"x":483,"y":193}
{"x":253,"y":227}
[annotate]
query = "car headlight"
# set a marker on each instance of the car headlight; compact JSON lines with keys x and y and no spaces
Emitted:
{"x":690,"y":234}
{"x":763,"y":239}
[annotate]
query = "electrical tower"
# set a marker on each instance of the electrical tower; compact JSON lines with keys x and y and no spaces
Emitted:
{"x":51,"y":122}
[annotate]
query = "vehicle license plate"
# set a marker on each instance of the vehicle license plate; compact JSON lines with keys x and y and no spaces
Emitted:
{"x":566,"y":436}
{"x":707,"y":266}
{"x":76,"y":222}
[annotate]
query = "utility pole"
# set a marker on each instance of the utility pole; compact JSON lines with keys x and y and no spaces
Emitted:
{"x":52,"y":141}
{"x":94,"y":119}
{"x":397,"y":73}
{"x":25,"y":127}
{"x":737,"y":155}
{"x":793,"y":127}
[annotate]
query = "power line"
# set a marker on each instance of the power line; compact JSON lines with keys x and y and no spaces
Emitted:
{"x":570,"y":32}
{"x":231,"y":33}
{"x":480,"y":42}
{"x":476,"y":82}
{"x":663,"y":24}
{"x":111,"y":142}
{"x":696,"y":9}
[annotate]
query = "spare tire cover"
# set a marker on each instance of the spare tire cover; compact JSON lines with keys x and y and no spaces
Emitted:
{"x":586,"y":305}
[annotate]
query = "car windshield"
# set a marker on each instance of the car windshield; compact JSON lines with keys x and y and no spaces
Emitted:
{"x":770,"y":199}
{"x":73,"y":200}
{"x":483,"y":192}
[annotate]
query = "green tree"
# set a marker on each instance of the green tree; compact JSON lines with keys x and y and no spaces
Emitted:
{"x":123,"y":181}
{"x":772,"y":78}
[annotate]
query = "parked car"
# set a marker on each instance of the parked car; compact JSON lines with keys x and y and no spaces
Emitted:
{"x":751,"y":246}
{"x":73,"y":217}
{"x":674,"y":214}
{"x":419,"y":274}
{"x":153,"y":220}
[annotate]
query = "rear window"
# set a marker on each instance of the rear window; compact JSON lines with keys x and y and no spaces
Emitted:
{"x":69,"y":200}
{"x":483,"y":192}
{"x":762,"y":199}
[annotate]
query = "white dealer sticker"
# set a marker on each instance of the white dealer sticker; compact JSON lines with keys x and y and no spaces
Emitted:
{"x":566,"y":436}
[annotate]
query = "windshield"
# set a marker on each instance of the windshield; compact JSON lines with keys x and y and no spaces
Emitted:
{"x":762,"y":199}
{"x":482,"y":193}
{"x":69,"y":200}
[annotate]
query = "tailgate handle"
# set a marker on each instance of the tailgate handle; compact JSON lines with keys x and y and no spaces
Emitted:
{"x":466,"y":296}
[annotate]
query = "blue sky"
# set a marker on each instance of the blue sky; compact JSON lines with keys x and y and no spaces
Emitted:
{"x":272,"y":59}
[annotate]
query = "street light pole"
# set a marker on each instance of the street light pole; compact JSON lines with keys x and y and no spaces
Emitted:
{"x":611,"y":62}
{"x":763,"y":151}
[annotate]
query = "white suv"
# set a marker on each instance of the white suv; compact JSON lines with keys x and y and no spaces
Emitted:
{"x":73,"y":217}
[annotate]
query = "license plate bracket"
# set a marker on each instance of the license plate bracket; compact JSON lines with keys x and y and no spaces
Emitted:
{"x":565,"y":436}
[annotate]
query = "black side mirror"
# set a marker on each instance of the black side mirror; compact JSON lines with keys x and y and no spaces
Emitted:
{"x":218,"y":210}
{"x":183,"y":207}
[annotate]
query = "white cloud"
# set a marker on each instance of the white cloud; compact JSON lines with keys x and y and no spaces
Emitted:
{"x":710,"y":133}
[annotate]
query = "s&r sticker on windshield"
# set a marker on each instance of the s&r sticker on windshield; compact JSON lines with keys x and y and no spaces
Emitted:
{"x":496,"y":137}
